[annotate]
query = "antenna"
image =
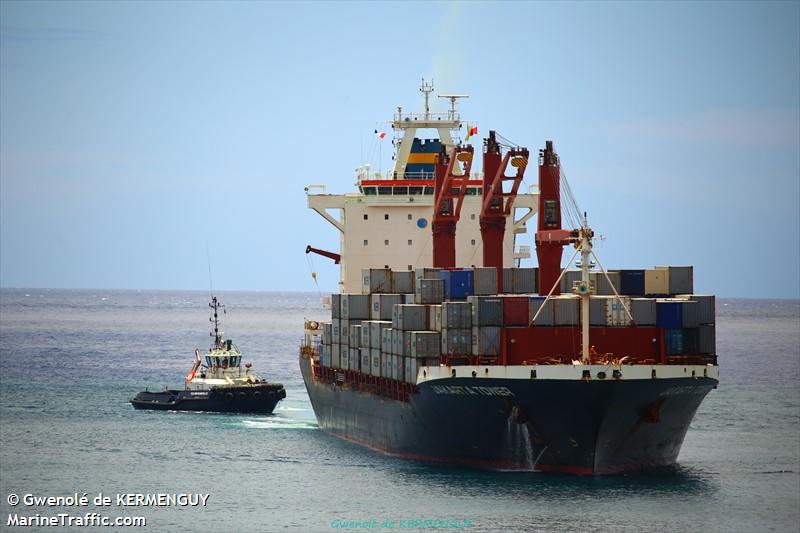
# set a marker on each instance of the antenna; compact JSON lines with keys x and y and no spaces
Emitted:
{"x":426,"y":89}
{"x":453,"y":98}
{"x":208,"y":258}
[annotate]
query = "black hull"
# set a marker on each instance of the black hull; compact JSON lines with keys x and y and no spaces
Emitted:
{"x":246,"y":399}
{"x":571,"y":426}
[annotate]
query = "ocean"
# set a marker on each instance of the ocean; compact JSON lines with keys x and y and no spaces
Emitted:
{"x":70,"y":360}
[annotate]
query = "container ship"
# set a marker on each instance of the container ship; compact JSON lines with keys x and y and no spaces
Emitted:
{"x":441,"y":348}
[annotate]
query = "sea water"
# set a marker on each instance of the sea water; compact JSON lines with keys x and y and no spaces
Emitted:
{"x":70,"y":361}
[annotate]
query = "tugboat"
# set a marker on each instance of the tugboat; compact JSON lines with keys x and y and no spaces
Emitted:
{"x":218,"y":383}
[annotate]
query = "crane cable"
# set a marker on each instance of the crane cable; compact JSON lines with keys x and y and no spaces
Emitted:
{"x":313,"y":273}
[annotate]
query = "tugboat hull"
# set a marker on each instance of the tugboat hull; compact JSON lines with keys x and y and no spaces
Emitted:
{"x":246,"y":399}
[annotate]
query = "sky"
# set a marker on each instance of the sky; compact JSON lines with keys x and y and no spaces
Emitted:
{"x":137,"y":139}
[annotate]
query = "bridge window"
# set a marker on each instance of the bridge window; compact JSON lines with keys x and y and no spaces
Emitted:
{"x":401,"y":190}
{"x":428,"y":190}
{"x":384,"y":190}
{"x":369,"y":191}
{"x":415,"y":190}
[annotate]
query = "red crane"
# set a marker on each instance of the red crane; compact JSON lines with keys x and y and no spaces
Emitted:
{"x":497,"y":204}
{"x":330,"y":255}
{"x":450,"y":188}
{"x":550,"y":238}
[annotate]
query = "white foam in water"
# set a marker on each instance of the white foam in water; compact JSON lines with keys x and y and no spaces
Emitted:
{"x":279,"y":423}
{"x":286,"y":408}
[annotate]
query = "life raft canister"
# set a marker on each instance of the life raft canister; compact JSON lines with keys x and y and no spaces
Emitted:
{"x":190,"y":375}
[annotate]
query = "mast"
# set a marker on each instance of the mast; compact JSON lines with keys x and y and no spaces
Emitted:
{"x":217,"y":333}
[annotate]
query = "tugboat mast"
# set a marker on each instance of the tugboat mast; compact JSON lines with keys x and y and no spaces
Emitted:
{"x":217,"y":334}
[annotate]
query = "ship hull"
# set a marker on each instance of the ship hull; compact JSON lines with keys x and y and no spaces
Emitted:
{"x":249,"y":399}
{"x":573,"y":426}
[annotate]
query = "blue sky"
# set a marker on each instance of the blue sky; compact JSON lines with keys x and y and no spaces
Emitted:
{"x":132,"y":134}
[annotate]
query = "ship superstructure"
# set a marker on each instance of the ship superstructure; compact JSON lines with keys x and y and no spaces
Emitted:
{"x":478,"y":361}
{"x":387,"y":222}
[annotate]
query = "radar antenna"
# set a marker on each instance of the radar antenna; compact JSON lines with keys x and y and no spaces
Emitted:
{"x":426,"y":89}
{"x":452,"y":98}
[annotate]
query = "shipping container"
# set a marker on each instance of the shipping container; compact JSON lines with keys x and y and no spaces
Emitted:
{"x":327,"y":333}
{"x":568,"y":281}
{"x":566,"y":310}
{"x":515,"y":311}
{"x":381,"y":305}
{"x":631,"y":282}
{"x":405,"y":347}
{"x":485,"y":281}
{"x":706,"y":307}
{"x":644,"y":311}
{"x":456,"y":315}
{"x":411,"y":368}
{"x":387,"y":340}
{"x":336,"y":305}
{"x":355,"y":307}
{"x":656,"y":282}
{"x":456,"y":341}
{"x":336,"y":356}
{"x":609,"y":311}
{"x":673,"y":341}
{"x":669,"y":314}
{"x":602,"y":285}
{"x":366,"y":365}
{"x":336,"y":327}
{"x":545,"y":317}
{"x":375,"y":362}
{"x":691,"y":339}
{"x":429,"y":291}
{"x":680,"y":279}
{"x":427,"y":273}
{"x":425,"y":344}
{"x":403,"y":281}
{"x":410,"y":317}
{"x":520,"y":280}
{"x":435,"y":317}
{"x":386,"y":366}
{"x":486,"y":310}
{"x":706,"y":339}
{"x":355,"y":359}
{"x":458,"y":284}
{"x":377,"y":327}
{"x":376,"y":280}
{"x":486,"y":341}
{"x":355,"y":337}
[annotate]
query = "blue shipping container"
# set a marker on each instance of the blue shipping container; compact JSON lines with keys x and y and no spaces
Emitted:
{"x":673,"y":341}
{"x":669,"y":315}
{"x":631,"y":282}
{"x":458,"y":284}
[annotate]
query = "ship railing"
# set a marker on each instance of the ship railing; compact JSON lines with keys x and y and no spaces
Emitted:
{"x":448,"y":116}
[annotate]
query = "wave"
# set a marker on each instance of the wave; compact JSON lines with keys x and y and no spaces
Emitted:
{"x":279,"y":423}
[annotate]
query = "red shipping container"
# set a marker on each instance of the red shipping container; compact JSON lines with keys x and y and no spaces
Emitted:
{"x":541,"y":345}
{"x":515,"y":311}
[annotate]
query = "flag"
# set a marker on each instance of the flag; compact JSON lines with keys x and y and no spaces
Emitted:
{"x":380,"y":134}
{"x":472,"y":130}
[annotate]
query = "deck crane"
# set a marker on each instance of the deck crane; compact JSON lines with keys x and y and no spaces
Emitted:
{"x":497,"y":203}
{"x":324,"y":253}
{"x":550,"y":237}
{"x":452,"y":174}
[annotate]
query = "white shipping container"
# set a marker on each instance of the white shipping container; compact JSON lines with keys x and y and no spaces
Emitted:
{"x":375,"y":362}
{"x":365,"y":362}
{"x":409,"y":317}
{"x":355,"y":336}
{"x":336,"y":359}
{"x":381,"y":305}
{"x":377,"y":327}
{"x":435,"y":317}
{"x":336,"y":325}
{"x":376,"y":280}
{"x":355,"y":359}
{"x":355,"y":306}
{"x":411,"y":369}
{"x":403,"y":281}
